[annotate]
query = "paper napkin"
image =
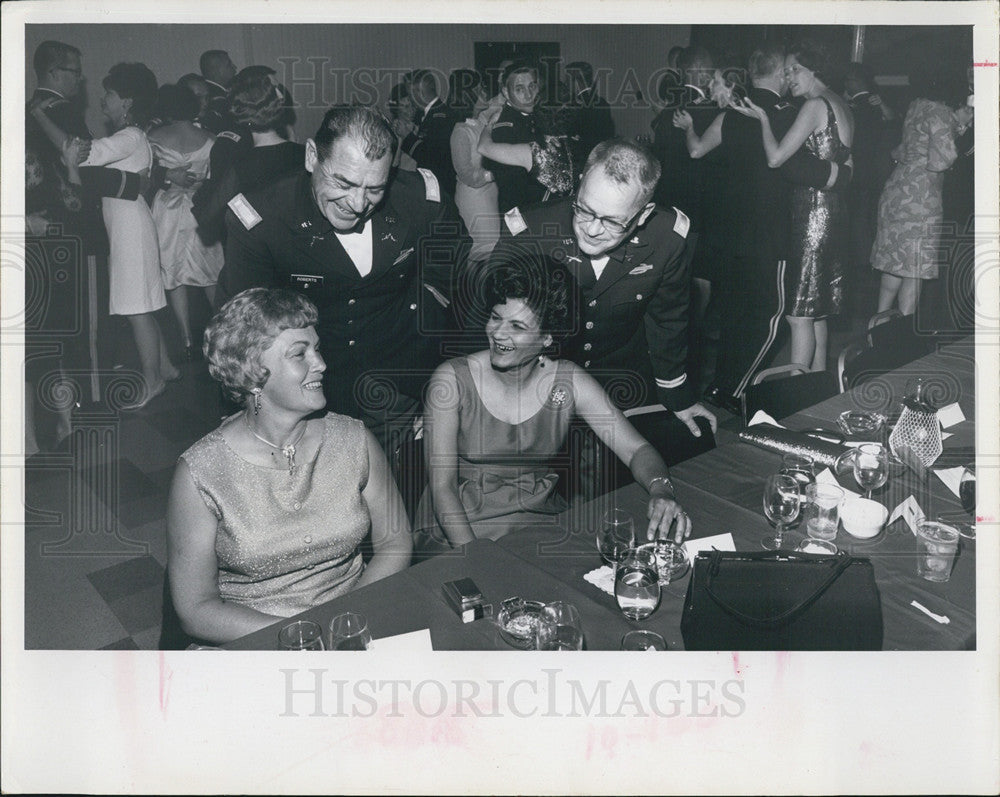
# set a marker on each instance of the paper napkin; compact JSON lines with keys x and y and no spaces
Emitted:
{"x":603,"y":578}
{"x":719,"y":542}
{"x":951,"y":477}
{"x":910,"y":511}
{"x":762,"y":417}
{"x":411,"y":642}
{"x":950,"y":415}
{"x":826,"y":477}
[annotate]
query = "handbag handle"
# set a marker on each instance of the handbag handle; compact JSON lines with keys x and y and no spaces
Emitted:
{"x":715,"y":561}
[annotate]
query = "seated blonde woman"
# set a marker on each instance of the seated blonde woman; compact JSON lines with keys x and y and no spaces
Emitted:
{"x":267,"y":513}
{"x":495,"y":419}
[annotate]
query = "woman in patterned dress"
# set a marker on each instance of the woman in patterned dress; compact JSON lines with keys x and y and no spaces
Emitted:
{"x":907,"y":243}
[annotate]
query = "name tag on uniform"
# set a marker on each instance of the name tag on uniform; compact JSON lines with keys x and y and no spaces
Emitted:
{"x":304,"y":282}
{"x":402,"y":256}
{"x":515,"y":221}
{"x":244,"y":211}
{"x":640,"y":269}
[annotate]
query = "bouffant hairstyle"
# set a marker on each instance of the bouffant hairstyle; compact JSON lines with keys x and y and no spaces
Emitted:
{"x":256,"y":100}
{"x":244,"y":329}
{"x":814,"y":57}
{"x":175,"y":103}
{"x":538,"y":281}
{"x":137,"y":83}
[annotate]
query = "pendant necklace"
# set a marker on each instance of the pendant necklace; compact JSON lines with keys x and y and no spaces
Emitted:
{"x":288,"y":450}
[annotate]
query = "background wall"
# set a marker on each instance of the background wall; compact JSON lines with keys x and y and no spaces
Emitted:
{"x":324,"y":64}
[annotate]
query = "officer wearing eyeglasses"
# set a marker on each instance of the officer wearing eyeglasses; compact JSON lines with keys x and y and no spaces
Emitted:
{"x":632,"y":289}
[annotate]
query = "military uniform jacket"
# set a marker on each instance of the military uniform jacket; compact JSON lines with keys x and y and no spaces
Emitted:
{"x":430,"y":144}
{"x":383,"y":322}
{"x":633,"y":320}
{"x":515,"y":186}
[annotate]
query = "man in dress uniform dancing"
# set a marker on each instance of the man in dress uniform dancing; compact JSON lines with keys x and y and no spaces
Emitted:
{"x":632,"y":288}
{"x":374,"y":252}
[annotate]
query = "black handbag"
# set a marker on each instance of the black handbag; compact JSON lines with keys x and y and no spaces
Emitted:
{"x":781,"y":600}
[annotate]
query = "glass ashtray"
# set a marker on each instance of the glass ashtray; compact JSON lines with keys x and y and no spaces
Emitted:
{"x":517,"y":622}
{"x":671,"y":560}
{"x":856,"y":423}
{"x":811,"y":545}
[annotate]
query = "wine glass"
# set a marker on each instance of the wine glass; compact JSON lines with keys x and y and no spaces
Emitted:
{"x":782,"y":504}
{"x":871,"y":466}
{"x":349,"y":631}
{"x":637,"y":583}
{"x":616,"y":536}
{"x":643,"y":640}
{"x":301,"y":635}
{"x":559,"y":627}
{"x":967,"y":495}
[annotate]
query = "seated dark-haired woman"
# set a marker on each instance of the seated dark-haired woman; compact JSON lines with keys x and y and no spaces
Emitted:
{"x":494,"y":420}
{"x":266,"y":514}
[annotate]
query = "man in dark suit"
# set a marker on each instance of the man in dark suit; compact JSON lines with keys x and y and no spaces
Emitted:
{"x":591,"y":121}
{"x":631,"y":287}
{"x":374,"y":252}
{"x":429,"y":143}
{"x":218,"y":70}
{"x":758,"y":208}
{"x":516,"y":124}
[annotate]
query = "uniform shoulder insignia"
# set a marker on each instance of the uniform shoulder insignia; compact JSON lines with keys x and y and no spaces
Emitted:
{"x":515,"y":221}
{"x":502,"y":124}
{"x":230,"y":135}
{"x":681,"y":224}
{"x":244,"y":211}
{"x":431,"y":188}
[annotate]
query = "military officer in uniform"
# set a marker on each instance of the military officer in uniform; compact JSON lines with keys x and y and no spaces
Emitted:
{"x":374,"y":253}
{"x":632,"y":287}
{"x":429,"y":143}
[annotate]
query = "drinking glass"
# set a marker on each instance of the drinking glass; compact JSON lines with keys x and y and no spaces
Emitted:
{"x":937,"y":544}
{"x":871,"y":466}
{"x":782,"y":499}
{"x":301,"y":635}
{"x":349,"y":631}
{"x":616,"y":536}
{"x":822,"y":510}
{"x":637,"y":583}
{"x":643,"y":640}
{"x":800,"y":467}
{"x":559,"y":627}
{"x":967,"y":488}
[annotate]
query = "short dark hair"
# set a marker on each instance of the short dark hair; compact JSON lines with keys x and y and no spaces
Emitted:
{"x":463,"y":88}
{"x":366,"y":125}
{"x":175,"y":102}
{"x":51,"y":54}
{"x":583,"y":69}
{"x":210,"y":60}
{"x":535,"y":279}
{"x":245,"y":328}
{"x":626,"y":162}
{"x":693,"y":57}
{"x":135,"y":82}
{"x":256,"y":99}
{"x":814,"y":57}
{"x":518,"y":68}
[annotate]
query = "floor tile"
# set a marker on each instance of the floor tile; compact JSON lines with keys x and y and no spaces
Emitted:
{"x":127,"y":578}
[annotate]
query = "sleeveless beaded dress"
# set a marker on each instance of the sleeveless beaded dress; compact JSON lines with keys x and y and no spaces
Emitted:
{"x":818,"y":234}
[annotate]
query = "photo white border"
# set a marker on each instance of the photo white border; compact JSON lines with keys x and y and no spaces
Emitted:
{"x":146,"y":722}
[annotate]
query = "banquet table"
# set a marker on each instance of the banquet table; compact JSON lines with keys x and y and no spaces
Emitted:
{"x":722,"y":492}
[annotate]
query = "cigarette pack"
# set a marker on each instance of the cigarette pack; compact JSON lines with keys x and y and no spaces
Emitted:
{"x":465,"y":598}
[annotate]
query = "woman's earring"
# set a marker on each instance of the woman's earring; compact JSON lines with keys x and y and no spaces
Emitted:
{"x":256,"y":401}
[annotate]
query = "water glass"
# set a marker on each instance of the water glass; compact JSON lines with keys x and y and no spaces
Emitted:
{"x":637,"y":583}
{"x":349,"y":631}
{"x":301,"y":635}
{"x":871,"y":466}
{"x":936,"y":547}
{"x":967,"y":488}
{"x":616,"y":536}
{"x":822,"y":510}
{"x":643,"y":640}
{"x":800,"y":467}
{"x":559,"y":627}
{"x":782,"y":504}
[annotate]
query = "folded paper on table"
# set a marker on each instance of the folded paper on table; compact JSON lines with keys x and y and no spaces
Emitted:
{"x":762,"y":417}
{"x":826,"y":476}
{"x":718,"y":542}
{"x":946,"y":435}
{"x":950,"y":416}
{"x":785,"y":441}
{"x":411,"y":642}
{"x":951,"y":477}
{"x":603,"y":578}
{"x":910,"y":511}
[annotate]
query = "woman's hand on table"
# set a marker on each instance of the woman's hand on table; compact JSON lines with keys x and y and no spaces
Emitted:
{"x":664,"y":513}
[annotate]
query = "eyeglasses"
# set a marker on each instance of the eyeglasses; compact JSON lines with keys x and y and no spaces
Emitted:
{"x":612,"y":226}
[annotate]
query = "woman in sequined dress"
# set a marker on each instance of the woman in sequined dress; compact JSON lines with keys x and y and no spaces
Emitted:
{"x":267,"y":513}
{"x":495,"y":420}
{"x":824,"y":126}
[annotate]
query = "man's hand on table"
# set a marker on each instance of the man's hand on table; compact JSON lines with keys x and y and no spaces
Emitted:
{"x":697,"y":411}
